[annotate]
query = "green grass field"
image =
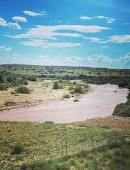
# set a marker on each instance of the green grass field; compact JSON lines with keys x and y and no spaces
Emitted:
{"x":26,"y":142}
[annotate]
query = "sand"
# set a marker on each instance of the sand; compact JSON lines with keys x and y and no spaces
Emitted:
{"x":39,"y":93}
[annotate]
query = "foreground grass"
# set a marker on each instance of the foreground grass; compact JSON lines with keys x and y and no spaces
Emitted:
{"x":26,"y":142}
{"x":113,"y":156}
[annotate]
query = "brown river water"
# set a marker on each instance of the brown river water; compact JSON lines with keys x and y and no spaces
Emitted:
{"x":99,"y":103}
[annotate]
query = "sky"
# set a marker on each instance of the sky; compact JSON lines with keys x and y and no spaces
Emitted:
{"x":91,"y":33}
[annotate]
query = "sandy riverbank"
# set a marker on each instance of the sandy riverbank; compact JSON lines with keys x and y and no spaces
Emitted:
{"x":39,"y":93}
{"x":100,"y":103}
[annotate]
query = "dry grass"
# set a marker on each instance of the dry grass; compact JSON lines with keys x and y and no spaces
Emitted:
{"x":112,"y":122}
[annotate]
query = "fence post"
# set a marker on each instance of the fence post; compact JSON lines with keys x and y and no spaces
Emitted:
{"x":92,"y":143}
{"x":109,"y":138}
{"x":123,"y":139}
{"x":116,"y":135}
{"x":66,"y":148}
{"x":62,"y":150}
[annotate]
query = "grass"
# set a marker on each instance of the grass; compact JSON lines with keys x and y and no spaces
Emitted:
{"x":107,"y":156}
{"x":43,"y":141}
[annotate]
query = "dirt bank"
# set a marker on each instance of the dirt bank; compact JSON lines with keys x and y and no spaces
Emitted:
{"x":112,"y":122}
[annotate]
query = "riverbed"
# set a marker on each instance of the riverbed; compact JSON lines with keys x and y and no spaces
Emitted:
{"x":98,"y":103}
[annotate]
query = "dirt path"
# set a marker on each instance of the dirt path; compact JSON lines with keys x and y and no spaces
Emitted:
{"x":100,"y":103}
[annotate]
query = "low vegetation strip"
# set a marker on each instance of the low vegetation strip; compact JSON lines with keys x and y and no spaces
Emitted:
{"x":123,"y":109}
{"x":26,"y":142}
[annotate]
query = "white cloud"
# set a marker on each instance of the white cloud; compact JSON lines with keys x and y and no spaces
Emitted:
{"x":85,"y":18}
{"x":32,"y":13}
{"x":14,"y":26}
{"x":100,"y":60}
{"x":96,"y":40}
{"x":111,"y":20}
{"x":101,"y":17}
{"x":46,"y":44}
{"x":19,"y":19}
{"x":3,"y":22}
{"x":120,"y":39}
{"x":105,"y":46}
{"x":51,"y":32}
{"x":5,"y":48}
{"x":93,"y":39}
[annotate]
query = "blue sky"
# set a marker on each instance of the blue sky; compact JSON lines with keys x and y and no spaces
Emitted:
{"x":92,"y":33}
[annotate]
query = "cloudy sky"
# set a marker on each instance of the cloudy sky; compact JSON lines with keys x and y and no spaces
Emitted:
{"x":93,"y":33}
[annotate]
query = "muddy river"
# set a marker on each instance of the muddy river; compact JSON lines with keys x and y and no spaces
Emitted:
{"x":99,"y":103}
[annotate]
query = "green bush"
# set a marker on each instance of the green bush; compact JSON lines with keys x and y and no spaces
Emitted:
{"x":57,"y":86}
{"x":17,"y":149}
{"x":66,"y":96}
{"x":23,"y":89}
{"x":80,"y":89}
{"x":3,"y":87}
{"x":9,"y":103}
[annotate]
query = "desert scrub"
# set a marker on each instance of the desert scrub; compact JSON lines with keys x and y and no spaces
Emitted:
{"x":123,"y":109}
{"x":17,"y":149}
{"x":57,"y":86}
{"x":80,"y":89}
{"x":23,"y":89}
{"x":66,"y":96}
{"x":9,"y":103}
{"x":3,"y":86}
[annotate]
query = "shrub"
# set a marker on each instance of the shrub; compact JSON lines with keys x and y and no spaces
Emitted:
{"x":32,"y":79}
{"x":23,"y":89}
{"x":9,"y":79}
{"x":66,"y":96}
{"x":57,"y":86}
{"x":1,"y":79}
{"x":76,"y":100}
{"x":25,"y":82}
{"x":9,"y":103}
{"x":78,"y":89}
{"x":17,"y":149}
{"x":3,"y":87}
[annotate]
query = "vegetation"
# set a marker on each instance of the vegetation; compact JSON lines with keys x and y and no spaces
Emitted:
{"x":3,"y":86}
{"x":80,"y":89}
{"x":19,"y":75}
{"x":56,"y":85}
{"x":23,"y":90}
{"x":17,"y":149}
{"x":66,"y":96}
{"x":123,"y":109}
{"x":32,"y":144}
{"x":9,"y":103}
{"x":110,"y":156}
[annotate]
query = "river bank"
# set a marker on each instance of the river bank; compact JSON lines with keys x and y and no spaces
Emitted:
{"x":99,"y":103}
